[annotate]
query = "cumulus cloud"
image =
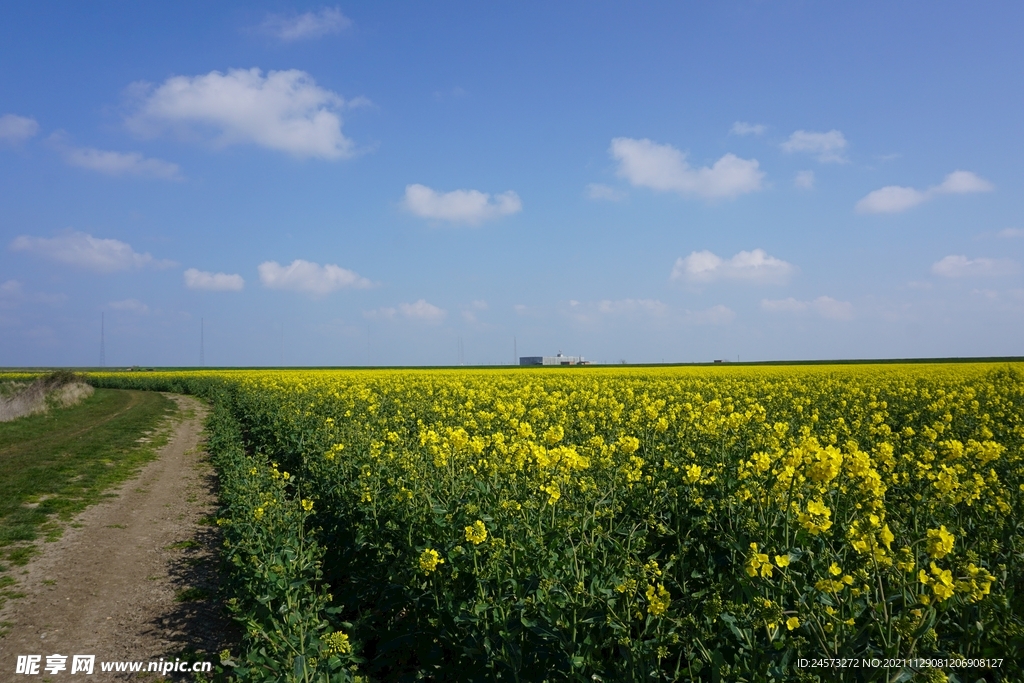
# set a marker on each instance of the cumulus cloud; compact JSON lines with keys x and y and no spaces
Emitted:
{"x":744,"y":128}
{"x":306,"y":26}
{"x":129,"y":306}
{"x":804,"y":180}
{"x":827,"y":147}
{"x":603,"y":192}
{"x":1009,"y":233}
{"x":896,"y":198}
{"x":213,"y":282}
{"x":648,"y":306}
{"x":663,"y":167}
{"x":308,"y":277}
{"x":824,"y":306}
{"x":420,"y":310}
{"x":284,"y":110}
{"x":15,"y":129}
{"x":961,"y":266}
{"x":121,"y":163}
{"x":751,"y":266}
{"x":459,"y":206}
{"x":85,"y":251}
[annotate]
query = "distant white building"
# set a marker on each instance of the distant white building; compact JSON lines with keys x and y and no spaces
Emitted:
{"x":553,"y":360}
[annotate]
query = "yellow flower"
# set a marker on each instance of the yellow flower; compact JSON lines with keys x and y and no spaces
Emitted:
{"x":782,"y":561}
{"x":657,"y":600}
{"x":693,"y":473}
{"x":477,"y":533}
{"x":429,"y":559}
{"x":337,"y":643}
{"x":307,"y":505}
{"x":792,"y":623}
{"x":940,"y":542}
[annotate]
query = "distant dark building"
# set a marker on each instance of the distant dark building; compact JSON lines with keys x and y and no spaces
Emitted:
{"x":553,"y":360}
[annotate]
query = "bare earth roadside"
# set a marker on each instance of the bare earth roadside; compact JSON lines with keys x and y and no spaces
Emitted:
{"x":132,"y":578}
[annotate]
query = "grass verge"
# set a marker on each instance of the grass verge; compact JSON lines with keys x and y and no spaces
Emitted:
{"x":54,"y":465}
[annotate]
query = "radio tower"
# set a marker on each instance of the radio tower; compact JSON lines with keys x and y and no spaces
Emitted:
{"x":103,"y":343}
{"x":202,"y":344}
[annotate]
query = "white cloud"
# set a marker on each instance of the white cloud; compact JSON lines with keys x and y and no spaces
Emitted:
{"x":420,"y":310}
{"x":891,"y":199}
{"x":751,"y":266}
{"x":312,"y":278}
{"x":85,"y":251}
{"x":1009,"y":233}
{"x":15,"y":129}
{"x":459,"y":206}
{"x":663,"y":167}
{"x":604,"y":192}
{"x":744,"y":128}
{"x":825,"y":306}
{"x":648,"y":306}
{"x":962,"y":182}
{"x":895,"y":198}
{"x":121,"y":163}
{"x":961,"y":266}
{"x":306,"y":26}
{"x":285,"y":111}
{"x":477,"y":305}
{"x":716,"y":315}
{"x":804,"y":180}
{"x":129,"y":305}
{"x":213,"y":282}
{"x":828,"y":147}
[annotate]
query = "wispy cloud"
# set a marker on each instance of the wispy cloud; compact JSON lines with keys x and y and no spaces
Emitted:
{"x":620,"y":306}
{"x":309,"y":277}
{"x":129,"y":306}
{"x":744,"y":128}
{"x":663,"y":167}
{"x":601,"y":192}
{"x":470,"y":207}
{"x":15,"y":129}
{"x":824,"y":306}
{"x":804,"y":180}
{"x":284,"y":110}
{"x":213,"y":282}
{"x":826,"y":147}
{"x":307,"y":26}
{"x":121,"y":163}
{"x":957,"y":266}
{"x":1010,"y":233}
{"x":896,"y":198}
{"x":420,"y":310}
{"x":85,"y":251}
{"x":750,"y":266}
{"x":716,"y":315}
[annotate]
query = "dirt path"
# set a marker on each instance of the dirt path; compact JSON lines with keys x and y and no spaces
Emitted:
{"x":130,"y":580}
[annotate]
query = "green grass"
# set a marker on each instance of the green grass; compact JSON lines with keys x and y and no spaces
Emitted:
{"x":54,"y":465}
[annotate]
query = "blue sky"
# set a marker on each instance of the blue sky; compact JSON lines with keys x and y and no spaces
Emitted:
{"x":387,"y":183}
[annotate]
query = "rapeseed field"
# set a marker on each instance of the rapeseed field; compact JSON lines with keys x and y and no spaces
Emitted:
{"x":733,"y":523}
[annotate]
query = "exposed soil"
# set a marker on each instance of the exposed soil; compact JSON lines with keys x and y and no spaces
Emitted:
{"x":133,"y":577}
